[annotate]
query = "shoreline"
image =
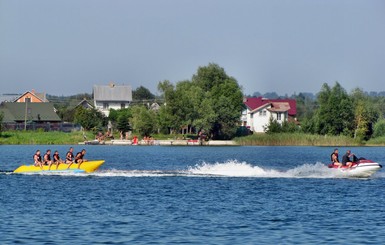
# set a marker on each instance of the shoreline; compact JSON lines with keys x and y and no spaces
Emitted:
{"x":282,"y":139}
{"x":163,"y":143}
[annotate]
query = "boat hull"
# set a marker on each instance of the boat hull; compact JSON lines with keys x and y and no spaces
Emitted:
{"x":85,"y":167}
{"x":361,"y":169}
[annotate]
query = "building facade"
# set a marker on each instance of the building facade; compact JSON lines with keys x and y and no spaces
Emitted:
{"x":259,"y":111}
{"x":111,"y":96}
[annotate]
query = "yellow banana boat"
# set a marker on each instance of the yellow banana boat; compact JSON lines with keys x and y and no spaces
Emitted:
{"x":85,"y":167}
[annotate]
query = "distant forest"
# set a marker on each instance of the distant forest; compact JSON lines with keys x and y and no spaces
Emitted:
{"x":141,"y":94}
{"x":274,"y":95}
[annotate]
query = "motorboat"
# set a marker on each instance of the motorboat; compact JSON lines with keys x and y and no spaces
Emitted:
{"x":85,"y":167}
{"x":362,"y":168}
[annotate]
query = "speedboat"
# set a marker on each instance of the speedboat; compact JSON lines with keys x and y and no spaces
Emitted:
{"x":362,"y":168}
{"x":85,"y":167}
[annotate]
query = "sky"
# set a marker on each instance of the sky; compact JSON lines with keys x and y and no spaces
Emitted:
{"x":285,"y":46}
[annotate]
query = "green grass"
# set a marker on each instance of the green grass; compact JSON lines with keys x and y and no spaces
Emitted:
{"x":297,"y":139}
{"x":281,"y":139}
{"x":379,"y":141}
{"x":42,"y":138}
{"x":60,"y":138}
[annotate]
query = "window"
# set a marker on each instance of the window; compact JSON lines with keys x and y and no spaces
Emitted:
{"x":279,"y":116}
{"x":105,"y":106}
{"x":27,"y":100}
{"x":264,"y":113}
{"x":260,"y":113}
{"x":122,"y":106}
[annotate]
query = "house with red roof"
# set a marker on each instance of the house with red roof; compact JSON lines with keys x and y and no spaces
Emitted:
{"x":259,"y":110}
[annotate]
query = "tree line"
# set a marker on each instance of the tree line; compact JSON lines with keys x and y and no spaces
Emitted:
{"x":209,"y":103}
{"x":336,"y":112}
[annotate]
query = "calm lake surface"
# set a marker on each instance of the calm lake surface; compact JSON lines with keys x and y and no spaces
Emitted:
{"x":193,"y":195}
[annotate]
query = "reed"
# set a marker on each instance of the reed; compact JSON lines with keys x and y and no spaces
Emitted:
{"x":296,"y":139}
{"x":378,"y":141}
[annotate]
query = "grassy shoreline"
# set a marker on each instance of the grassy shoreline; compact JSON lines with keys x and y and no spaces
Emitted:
{"x":42,"y":138}
{"x":282,"y":139}
{"x":301,"y":139}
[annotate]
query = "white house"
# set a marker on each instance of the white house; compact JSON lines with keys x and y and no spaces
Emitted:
{"x":112,"y":96}
{"x":259,"y":110}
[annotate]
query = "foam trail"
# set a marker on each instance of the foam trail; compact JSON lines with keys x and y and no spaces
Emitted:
{"x":138,"y":173}
{"x":234,"y":168}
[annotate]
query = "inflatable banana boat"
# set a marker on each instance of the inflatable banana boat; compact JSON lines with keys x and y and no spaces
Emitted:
{"x":85,"y":167}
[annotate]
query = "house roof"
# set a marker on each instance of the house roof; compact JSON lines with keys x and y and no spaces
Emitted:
{"x":112,"y":92}
{"x":85,"y":104}
{"x":256,"y":102}
{"x":279,"y":107}
{"x":14,"y":111}
{"x":39,"y":96}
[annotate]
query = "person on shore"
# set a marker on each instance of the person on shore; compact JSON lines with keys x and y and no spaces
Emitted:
{"x":135,"y":140}
{"x":346,"y":159}
{"x":70,"y":156}
{"x":334,"y":158}
{"x":37,"y":159}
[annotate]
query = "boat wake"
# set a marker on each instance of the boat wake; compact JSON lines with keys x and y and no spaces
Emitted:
{"x":230,"y":168}
{"x":242,"y":169}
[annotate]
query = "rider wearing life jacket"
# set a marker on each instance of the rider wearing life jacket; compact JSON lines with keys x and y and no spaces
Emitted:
{"x":56,"y":157}
{"x":346,"y":159}
{"x":47,"y":158}
{"x":70,"y":156}
{"x":79,"y":158}
{"x":334,"y":158}
{"x":37,"y":159}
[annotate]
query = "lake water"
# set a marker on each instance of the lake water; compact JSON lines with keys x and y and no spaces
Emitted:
{"x":193,"y":195}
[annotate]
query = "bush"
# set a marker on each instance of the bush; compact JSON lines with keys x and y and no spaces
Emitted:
{"x":379,"y":128}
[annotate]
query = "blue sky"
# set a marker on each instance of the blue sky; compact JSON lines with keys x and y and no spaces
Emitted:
{"x":65,"y":47}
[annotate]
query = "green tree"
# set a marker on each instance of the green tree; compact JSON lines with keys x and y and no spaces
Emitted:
{"x":335,"y":114}
{"x":143,"y":120}
{"x":273,"y":126}
{"x":379,"y":128}
{"x":164,"y":120}
{"x":90,"y":118}
{"x":1,"y":122}
{"x":113,"y":115}
{"x":142,"y":93}
{"x":226,"y":99}
{"x":305,"y":106}
{"x":286,"y":127}
{"x":365,"y":114}
{"x":166,"y":88}
{"x":121,"y":118}
{"x":123,"y":124}
{"x":211,"y":101}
